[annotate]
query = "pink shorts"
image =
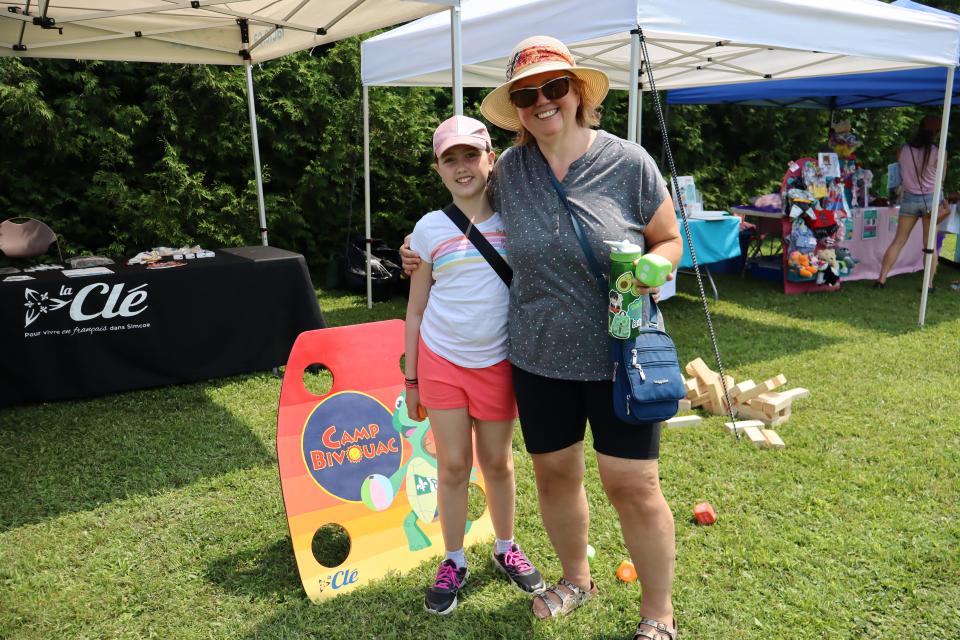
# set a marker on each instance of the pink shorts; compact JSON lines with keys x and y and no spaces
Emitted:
{"x":487,"y":393}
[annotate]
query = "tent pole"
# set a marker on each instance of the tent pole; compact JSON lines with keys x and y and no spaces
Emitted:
{"x":456,"y":51}
{"x":931,"y":242}
{"x":256,"y":153}
{"x":640,"y":115}
{"x":366,"y":191}
{"x":633,"y":110}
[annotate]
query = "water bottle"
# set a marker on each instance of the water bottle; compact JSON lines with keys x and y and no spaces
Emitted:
{"x":625,"y":313}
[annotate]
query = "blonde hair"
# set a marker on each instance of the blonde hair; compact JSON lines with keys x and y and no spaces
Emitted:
{"x":587,"y":114}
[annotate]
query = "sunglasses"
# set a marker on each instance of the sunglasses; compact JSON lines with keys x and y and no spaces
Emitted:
{"x":552,"y":90}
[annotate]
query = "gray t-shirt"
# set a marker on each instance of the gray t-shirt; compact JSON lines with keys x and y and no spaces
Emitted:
{"x":558,"y":315}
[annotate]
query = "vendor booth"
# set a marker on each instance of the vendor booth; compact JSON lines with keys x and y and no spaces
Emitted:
{"x":74,"y":335}
{"x":79,"y":333}
{"x":918,"y":87}
{"x":691,"y":44}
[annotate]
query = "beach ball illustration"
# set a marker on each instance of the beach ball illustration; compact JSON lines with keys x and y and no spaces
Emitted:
{"x":376,"y":492}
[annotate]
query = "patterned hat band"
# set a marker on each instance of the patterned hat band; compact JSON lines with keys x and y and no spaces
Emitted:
{"x":536,"y":54}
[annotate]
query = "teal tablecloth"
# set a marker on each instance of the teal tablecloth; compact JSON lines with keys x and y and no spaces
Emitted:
{"x":713,"y":240}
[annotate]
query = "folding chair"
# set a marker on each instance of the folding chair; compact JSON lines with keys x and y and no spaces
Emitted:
{"x":27,"y":239}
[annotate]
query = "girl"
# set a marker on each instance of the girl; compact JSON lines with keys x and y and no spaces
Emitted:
{"x":918,"y":170}
{"x":456,"y":367}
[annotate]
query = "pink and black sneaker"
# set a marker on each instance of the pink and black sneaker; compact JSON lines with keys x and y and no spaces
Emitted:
{"x":518,"y":569}
{"x":441,"y":598}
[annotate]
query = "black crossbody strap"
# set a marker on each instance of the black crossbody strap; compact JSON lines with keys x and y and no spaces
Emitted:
{"x":654,"y":319}
{"x":581,"y":236}
{"x":480,"y":242}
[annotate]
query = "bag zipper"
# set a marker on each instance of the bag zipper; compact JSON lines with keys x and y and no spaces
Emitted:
{"x":637,"y":365}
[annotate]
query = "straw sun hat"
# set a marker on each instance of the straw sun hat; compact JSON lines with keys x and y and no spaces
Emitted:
{"x":536,"y":55}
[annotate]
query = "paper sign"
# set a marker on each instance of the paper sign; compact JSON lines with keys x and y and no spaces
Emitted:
{"x":869,"y":224}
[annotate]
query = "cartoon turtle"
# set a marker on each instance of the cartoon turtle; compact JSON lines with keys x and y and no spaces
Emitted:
{"x":420,"y":475}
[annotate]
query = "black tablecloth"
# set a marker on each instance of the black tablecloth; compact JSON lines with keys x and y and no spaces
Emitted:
{"x":64,"y":338}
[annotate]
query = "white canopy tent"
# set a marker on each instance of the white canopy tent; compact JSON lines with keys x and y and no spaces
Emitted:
{"x":693,"y":43}
{"x":195,"y":32}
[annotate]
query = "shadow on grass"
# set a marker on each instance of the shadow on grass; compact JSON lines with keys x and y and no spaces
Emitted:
{"x":64,"y":457}
{"x":392,"y":607}
{"x":741,"y":341}
{"x":893,"y":310}
{"x":270,"y":572}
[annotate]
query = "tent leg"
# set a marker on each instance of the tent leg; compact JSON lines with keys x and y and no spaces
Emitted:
{"x":456,"y":52}
{"x":633,"y":110}
{"x":931,"y":242}
{"x":256,"y":153}
{"x":366,"y":190}
{"x":639,"y":115}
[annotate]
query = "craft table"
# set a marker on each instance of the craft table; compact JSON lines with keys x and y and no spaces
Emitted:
{"x":67,"y":338}
{"x":713,"y":241}
{"x":767,"y":223}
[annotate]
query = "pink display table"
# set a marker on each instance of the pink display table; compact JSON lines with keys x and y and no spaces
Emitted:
{"x":870,"y":250}
{"x":867,"y":239}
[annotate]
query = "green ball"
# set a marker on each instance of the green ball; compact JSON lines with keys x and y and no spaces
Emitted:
{"x":591,"y":553}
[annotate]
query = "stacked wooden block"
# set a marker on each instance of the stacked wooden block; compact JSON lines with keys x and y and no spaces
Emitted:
{"x":760,"y":403}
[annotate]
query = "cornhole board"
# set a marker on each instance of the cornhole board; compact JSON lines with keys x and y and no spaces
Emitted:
{"x":353,"y":458}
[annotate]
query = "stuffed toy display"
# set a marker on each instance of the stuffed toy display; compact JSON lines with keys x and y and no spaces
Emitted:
{"x":830,"y":273}
{"x":818,"y":206}
{"x":843,"y":141}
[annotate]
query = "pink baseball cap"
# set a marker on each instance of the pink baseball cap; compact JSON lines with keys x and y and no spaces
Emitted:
{"x":460,"y":130}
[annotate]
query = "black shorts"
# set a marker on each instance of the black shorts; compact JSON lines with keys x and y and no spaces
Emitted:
{"x":554,"y":415}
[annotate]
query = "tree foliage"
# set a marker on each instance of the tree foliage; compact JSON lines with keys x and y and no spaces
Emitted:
{"x":120,"y":157}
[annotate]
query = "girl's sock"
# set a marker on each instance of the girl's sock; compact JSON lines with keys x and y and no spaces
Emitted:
{"x":459,"y":557}
{"x":500,"y":547}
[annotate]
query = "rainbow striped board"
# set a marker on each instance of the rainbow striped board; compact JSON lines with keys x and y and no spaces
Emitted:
{"x":353,"y":458}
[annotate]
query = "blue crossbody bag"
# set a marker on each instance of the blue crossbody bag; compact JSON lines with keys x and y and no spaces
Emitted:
{"x":647,"y":383}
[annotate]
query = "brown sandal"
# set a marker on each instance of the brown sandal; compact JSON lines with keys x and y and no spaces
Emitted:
{"x":659,"y":630}
{"x":566,"y":601}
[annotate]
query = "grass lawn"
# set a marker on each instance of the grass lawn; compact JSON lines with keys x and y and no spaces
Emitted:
{"x":158,"y":514}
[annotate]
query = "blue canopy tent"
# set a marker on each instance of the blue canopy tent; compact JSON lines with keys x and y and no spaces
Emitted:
{"x":932,"y":86}
{"x":913,"y":87}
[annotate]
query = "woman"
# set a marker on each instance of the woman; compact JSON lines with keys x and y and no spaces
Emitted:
{"x":918,"y":175}
{"x":557,"y":321}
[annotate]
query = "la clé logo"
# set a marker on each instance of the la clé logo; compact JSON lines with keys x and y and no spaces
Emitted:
{"x":339,"y":579}
{"x":96,"y":300}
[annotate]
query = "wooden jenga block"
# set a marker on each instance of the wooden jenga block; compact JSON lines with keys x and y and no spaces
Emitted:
{"x":775,"y":382}
{"x":763,"y":387}
{"x":740,"y":388}
{"x":692,"y":385}
{"x":753,"y":413}
{"x":780,"y":418}
{"x":700,"y":369}
{"x":773,"y":439}
{"x":740,"y":425}
{"x":773,"y":403}
{"x":699,"y":401}
{"x":753,"y":435}
{"x":682,"y":421}
{"x":684,"y":405}
{"x":715,"y":401}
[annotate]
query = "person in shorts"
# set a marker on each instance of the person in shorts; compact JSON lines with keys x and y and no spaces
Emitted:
{"x":918,"y":173}
{"x":559,"y":346}
{"x":456,"y":361}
